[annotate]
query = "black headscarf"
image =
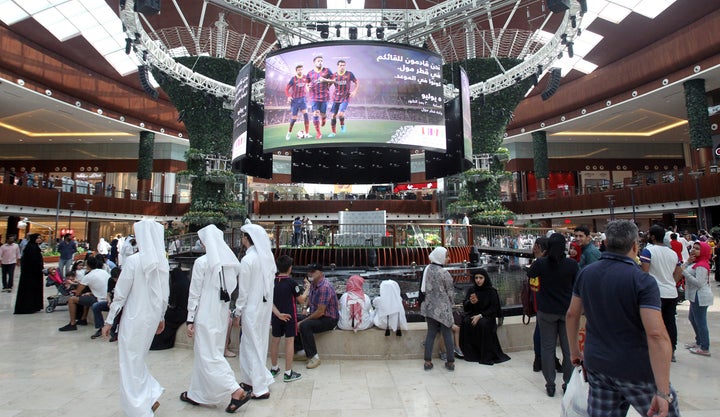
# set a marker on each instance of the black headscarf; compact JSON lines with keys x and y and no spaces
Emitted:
{"x":32,"y":245}
{"x":486,"y":285}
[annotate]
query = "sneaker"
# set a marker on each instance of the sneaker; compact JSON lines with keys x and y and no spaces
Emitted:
{"x":313,"y":363}
{"x":294,"y":376}
{"x":81,"y":322}
{"x":459,"y":353}
{"x":690,"y":345}
{"x":287,"y":136}
{"x":332,"y":135}
{"x":443,"y":356}
{"x":97,"y":334}
{"x":274,"y":371}
{"x":68,"y":327}
{"x":342,"y":129}
{"x":699,"y":351}
{"x":318,"y":136}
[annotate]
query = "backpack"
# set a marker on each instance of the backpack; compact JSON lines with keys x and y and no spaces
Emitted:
{"x":528,"y":298}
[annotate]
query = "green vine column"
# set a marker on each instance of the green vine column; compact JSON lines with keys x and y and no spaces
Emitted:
{"x":698,"y":120}
{"x":145,"y":164}
{"x":540,"y":160}
{"x":209,"y":126}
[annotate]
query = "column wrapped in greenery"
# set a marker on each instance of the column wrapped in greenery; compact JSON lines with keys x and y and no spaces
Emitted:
{"x":145,"y":164}
{"x":210,"y":128}
{"x":540,"y":154}
{"x":480,"y":198}
{"x":697,"y":111}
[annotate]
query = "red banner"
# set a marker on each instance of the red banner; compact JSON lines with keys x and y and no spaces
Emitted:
{"x":416,"y":186}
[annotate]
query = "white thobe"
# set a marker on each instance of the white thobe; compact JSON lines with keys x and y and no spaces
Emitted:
{"x":256,"y":314}
{"x":141,"y":314}
{"x":212,"y":380}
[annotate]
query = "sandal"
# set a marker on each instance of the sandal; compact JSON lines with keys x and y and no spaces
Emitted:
{"x":246,"y":387}
{"x":428,"y":365}
{"x":184,"y":398}
{"x":155,"y":406}
{"x":235,"y":404}
{"x":450,"y":366}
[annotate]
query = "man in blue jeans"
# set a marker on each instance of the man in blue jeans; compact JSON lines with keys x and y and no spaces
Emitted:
{"x":67,"y":248}
{"x":323,"y":303}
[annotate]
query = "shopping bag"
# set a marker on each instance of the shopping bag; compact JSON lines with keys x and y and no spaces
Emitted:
{"x":575,"y":400}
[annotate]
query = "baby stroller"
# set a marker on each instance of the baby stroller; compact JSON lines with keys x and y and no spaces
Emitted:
{"x":60,"y":299}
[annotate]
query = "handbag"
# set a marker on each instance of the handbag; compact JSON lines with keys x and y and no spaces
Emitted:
{"x":575,"y":399}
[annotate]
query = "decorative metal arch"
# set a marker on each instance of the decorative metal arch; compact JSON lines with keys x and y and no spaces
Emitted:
{"x":414,"y":27}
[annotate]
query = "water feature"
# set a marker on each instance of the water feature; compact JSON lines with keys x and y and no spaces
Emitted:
{"x":507,"y":275}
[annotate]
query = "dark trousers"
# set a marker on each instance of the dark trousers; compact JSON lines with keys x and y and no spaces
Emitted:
{"x":8,"y":271}
{"x":307,"y":330}
{"x":668,"y":308}
{"x":433,"y":328}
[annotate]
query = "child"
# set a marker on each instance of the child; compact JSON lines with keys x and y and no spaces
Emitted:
{"x":53,"y":275}
{"x":284,"y":319}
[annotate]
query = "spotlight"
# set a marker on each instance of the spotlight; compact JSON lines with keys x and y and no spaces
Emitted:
{"x":571,"y":53}
{"x":337,"y":30}
{"x":380,"y":32}
{"x":369,"y":30}
{"x":352,"y":32}
{"x":324,"y":29}
{"x":128,"y":45}
{"x":310,"y":26}
{"x":583,"y":7}
{"x":563,"y":38}
{"x":425,"y":45}
{"x":573,"y":21}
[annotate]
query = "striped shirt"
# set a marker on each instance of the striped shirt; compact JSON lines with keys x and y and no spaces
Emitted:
{"x":319,"y":91}
{"x":342,"y":86}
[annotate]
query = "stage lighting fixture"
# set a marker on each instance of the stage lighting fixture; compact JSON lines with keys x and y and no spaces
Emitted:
{"x":573,"y":21}
{"x":352,"y":32}
{"x":311,"y":26}
{"x":337,"y":30}
{"x":558,"y":6}
{"x":369,"y":30}
{"x":379,"y":33}
{"x":324,"y":29}
{"x":571,"y":53}
{"x":128,"y":46}
{"x":563,"y":38}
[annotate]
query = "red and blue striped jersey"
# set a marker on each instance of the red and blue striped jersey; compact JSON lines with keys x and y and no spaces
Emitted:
{"x":342,"y":86}
{"x":319,"y":90}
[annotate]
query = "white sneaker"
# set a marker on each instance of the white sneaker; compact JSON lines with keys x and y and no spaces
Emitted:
{"x":287,"y":136}
{"x":313,"y":363}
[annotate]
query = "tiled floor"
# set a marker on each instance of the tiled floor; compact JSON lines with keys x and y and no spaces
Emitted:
{"x":47,"y":373}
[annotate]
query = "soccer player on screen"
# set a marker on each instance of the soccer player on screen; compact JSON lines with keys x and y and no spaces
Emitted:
{"x":295,"y":91}
{"x":341,"y":95}
{"x":319,"y":80}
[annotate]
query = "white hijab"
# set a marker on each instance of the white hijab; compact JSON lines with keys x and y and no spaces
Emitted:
{"x":389,"y":303}
{"x":437,"y":256}
{"x":219,"y":255}
{"x":149,"y":236}
{"x":262,"y":244}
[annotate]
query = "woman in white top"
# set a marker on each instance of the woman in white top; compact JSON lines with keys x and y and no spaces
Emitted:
{"x":355,"y":306}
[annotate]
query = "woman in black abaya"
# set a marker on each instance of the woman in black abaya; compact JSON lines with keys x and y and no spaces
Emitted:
{"x":478,"y":332}
{"x":30,"y":286}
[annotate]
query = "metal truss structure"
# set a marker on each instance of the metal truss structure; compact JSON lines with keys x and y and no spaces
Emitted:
{"x":428,"y":27}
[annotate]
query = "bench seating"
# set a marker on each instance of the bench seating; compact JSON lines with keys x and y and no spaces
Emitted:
{"x":373,"y":344}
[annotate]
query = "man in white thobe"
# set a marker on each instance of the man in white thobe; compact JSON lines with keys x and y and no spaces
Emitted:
{"x":214,"y":278}
{"x":141,"y":293}
{"x":254,"y":305}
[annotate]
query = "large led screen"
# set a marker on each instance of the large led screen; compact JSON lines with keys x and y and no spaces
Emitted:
{"x":354,"y":94}
{"x":240,"y":111}
{"x":466,"y":117}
